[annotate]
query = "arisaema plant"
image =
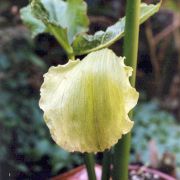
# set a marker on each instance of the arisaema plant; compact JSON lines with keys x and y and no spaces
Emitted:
{"x":87,"y":102}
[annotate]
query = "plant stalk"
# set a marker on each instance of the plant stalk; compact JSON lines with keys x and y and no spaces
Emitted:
{"x":68,"y":49}
{"x":90,"y":165}
{"x":106,"y":165}
{"x":122,"y":148}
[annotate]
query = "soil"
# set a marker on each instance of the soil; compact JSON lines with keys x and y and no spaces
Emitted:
{"x":144,"y":173}
{"x":135,"y":175}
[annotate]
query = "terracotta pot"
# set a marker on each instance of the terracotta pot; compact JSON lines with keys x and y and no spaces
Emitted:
{"x":80,"y":173}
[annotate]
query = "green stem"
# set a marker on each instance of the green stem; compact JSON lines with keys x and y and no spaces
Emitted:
{"x":63,"y":41}
{"x":121,"y":158}
{"x":122,"y":149}
{"x":71,"y":56}
{"x":90,"y":166}
{"x":106,"y":165}
{"x":132,"y":36}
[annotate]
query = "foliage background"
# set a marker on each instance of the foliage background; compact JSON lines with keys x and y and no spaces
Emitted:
{"x":26,"y":148}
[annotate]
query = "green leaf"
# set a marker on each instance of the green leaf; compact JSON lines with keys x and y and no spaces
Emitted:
{"x":86,"y":103}
{"x":63,"y":19}
{"x":35,"y":25}
{"x":85,"y":43}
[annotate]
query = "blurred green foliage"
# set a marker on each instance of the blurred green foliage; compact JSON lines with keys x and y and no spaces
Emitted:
{"x":26,"y":150}
{"x":153,"y":123}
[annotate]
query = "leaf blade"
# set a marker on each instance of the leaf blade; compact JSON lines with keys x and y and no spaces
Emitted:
{"x":35,"y":25}
{"x":63,"y":19}
{"x":85,"y":44}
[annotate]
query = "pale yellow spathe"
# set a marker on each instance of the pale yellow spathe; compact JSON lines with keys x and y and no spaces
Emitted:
{"x":86,"y":103}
